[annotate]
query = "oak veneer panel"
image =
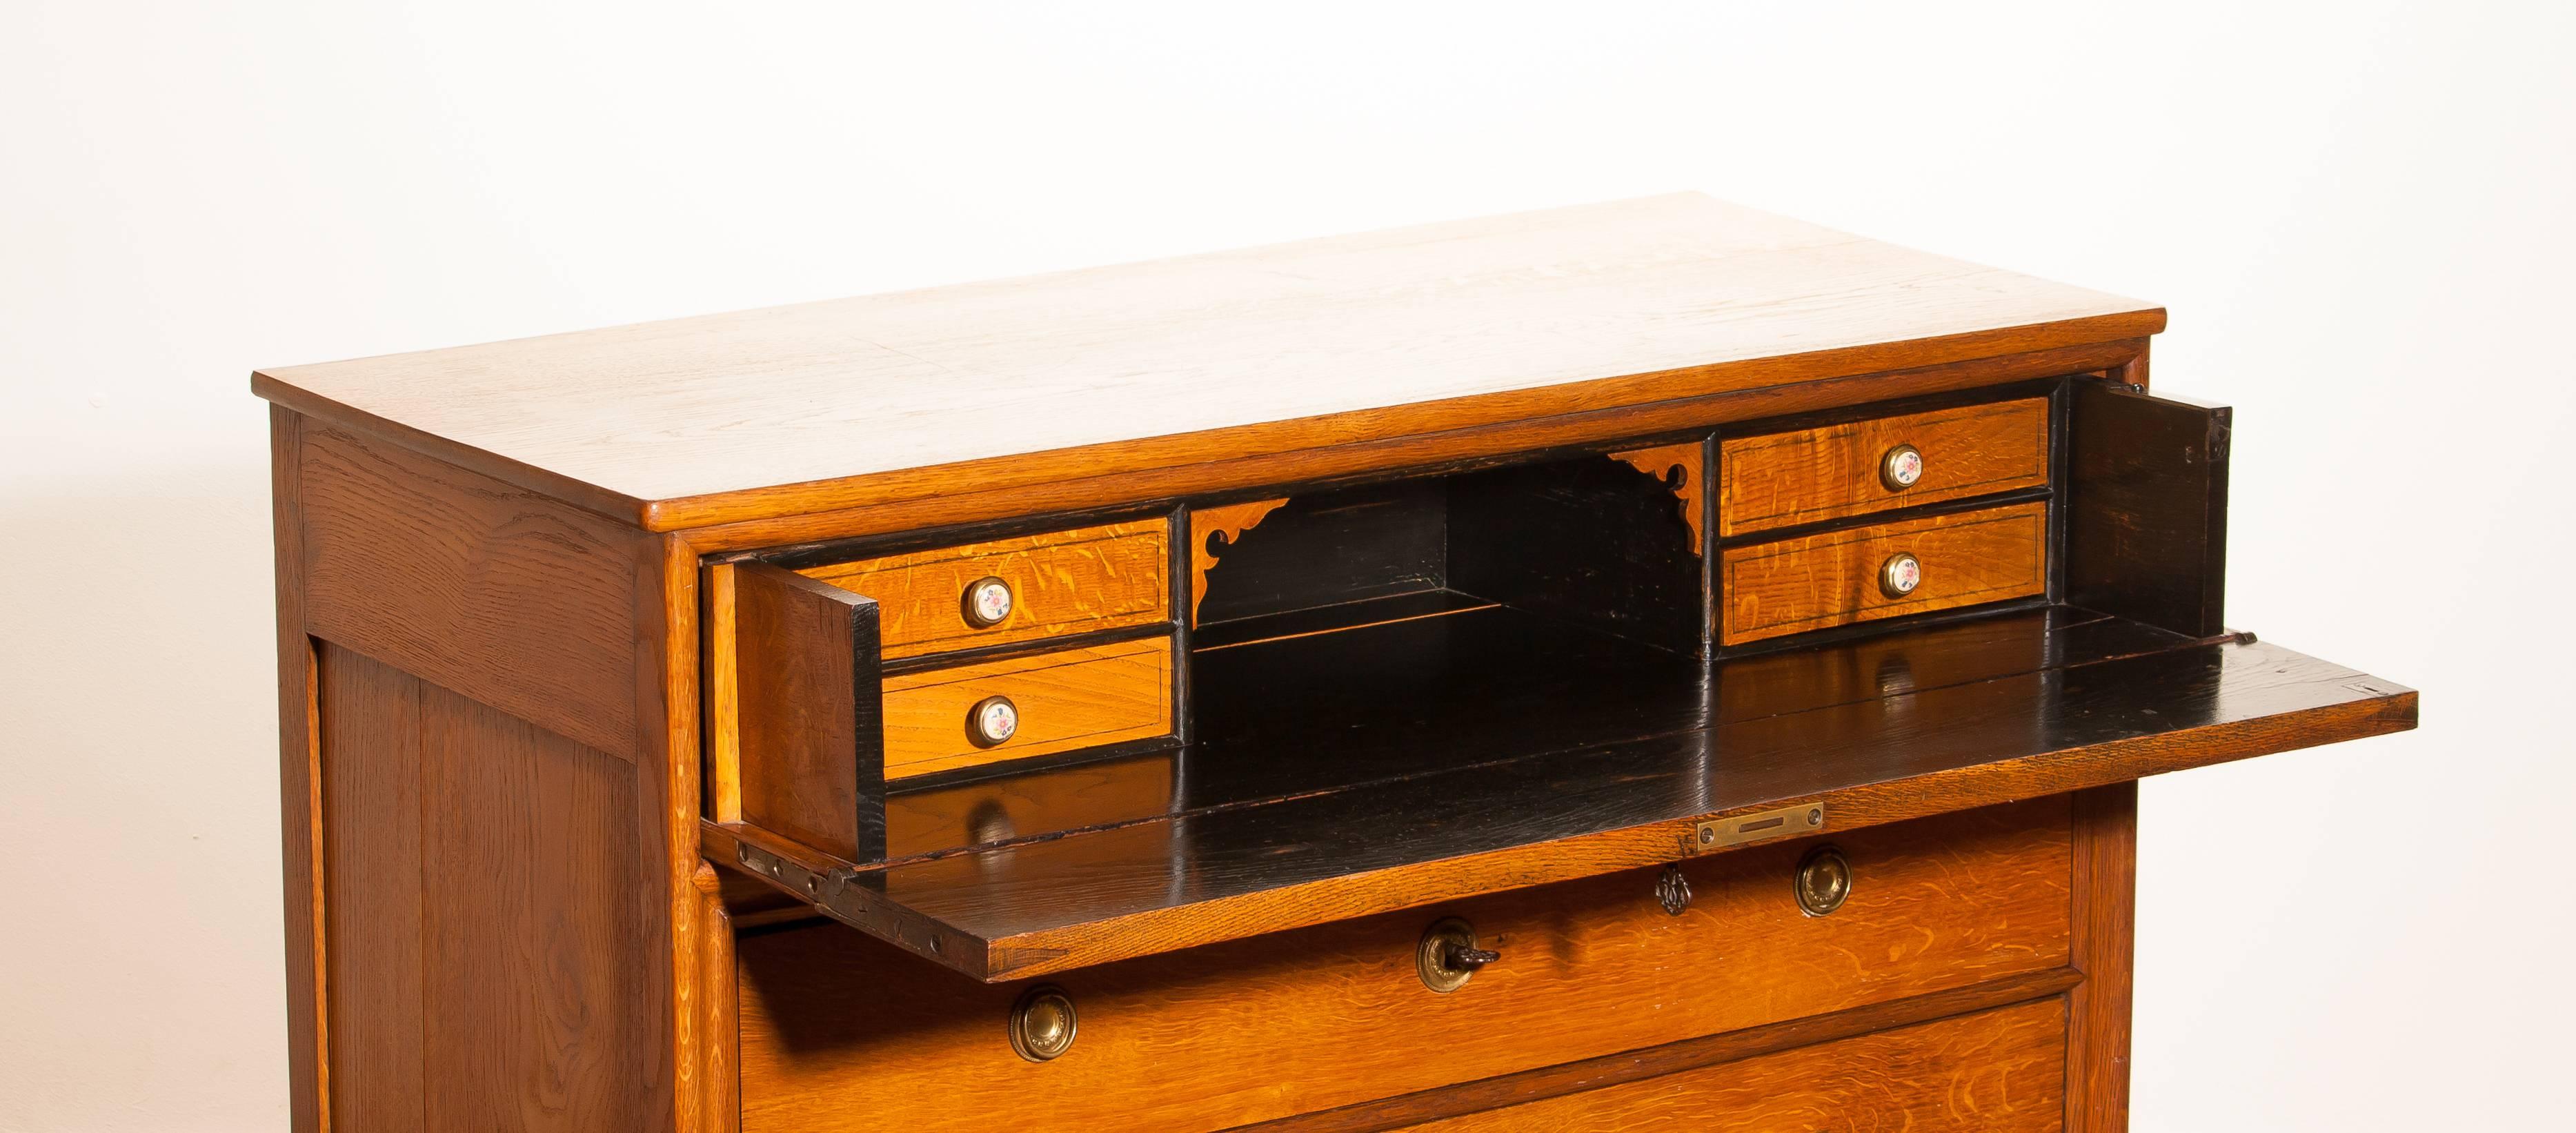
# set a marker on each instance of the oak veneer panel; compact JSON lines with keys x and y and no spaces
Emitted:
{"x":1998,"y":1071}
{"x":839,"y":1031}
{"x":1267,"y":350}
{"x":1832,"y":471}
{"x":540,"y":933}
{"x":1068,"y":699}
{"x":522,"y":602}
{"x":371,"y":868}
{"x":1831,"y":579}
{"x":1063,"y":582}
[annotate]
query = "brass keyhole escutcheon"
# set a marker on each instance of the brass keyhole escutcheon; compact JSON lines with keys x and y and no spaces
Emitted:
{"x":1824,"y":881}
{"x":1043,"y":1023}
{"x":1448,"y":957}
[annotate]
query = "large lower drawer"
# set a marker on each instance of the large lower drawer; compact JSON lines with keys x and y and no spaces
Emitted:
{"x":1999,"y":1071}
{"x":840,"y":1032}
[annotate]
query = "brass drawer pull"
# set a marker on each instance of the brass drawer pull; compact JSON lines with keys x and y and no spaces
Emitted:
{"x":992,"y":721}
{"x":987,"y":602}
{"x":1824,"y":881}
{"x":1448,"y":957}
{"x":1901,"y":468}
{"x":1043,"y":1023}
{"x":1900,"y":575}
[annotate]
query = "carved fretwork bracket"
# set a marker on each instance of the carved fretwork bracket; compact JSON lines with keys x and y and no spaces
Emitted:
{"x":1683,"y":469}
{"x":1229,"y":520}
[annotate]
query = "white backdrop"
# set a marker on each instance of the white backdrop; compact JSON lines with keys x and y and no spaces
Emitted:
{"x":2360,"y":216}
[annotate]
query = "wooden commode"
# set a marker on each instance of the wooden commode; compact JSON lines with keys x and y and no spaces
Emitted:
{"x":1644,"y":665}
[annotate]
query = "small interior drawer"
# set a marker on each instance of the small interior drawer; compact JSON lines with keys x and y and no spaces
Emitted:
{"x":1057,"y":583}
{"x":1836,"y":471}
{"x":1059,"y":701}
{"x":1839,"y":577}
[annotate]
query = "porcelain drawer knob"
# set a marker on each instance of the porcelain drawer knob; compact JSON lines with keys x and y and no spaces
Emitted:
{"x":1900,"y":575}
{"x":988,"y":600}
{"x":1900,"y":468}
{"x":993,"y":721}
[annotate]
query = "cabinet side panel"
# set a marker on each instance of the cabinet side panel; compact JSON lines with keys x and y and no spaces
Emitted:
{"x":521,"y":602}
{"x":538,"y":938}
{"x":371,"y":807}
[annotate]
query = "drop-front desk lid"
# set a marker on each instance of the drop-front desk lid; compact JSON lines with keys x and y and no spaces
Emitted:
{"x":1514,"y":753}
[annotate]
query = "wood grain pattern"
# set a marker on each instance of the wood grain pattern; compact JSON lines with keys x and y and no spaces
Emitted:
{"x":2104,"y":945}
{"x":1995,"y":1072}
{"x":1220,"y":525}
{"x":1802,"y":384}
{"x":1053,"y":905}
{"x":299,"y":754}
{"x":1062,"y":582}
{"x":812,"y":758}
{"x":1322,"y":342}
{"x":717,"y":1070}
{"x":1831,"y":579}
{"x":544,"y":1003}
{"x":1067,"y":699}
{"x":1674,"y":1057}
{"x":838,"y":1030}
{"x":1684,"y":467}
{"x":1832,"y":471}
{"x":519,"y":601}
{"x":373,"y":902}
{"x":2146,"y":532}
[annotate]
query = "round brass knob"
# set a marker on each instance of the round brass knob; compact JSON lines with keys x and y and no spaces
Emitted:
{"x":987,"y":601}
{"x":1043,"y":1023}
{"x":1448,"y":957}
{"x":1899,"y":575}
{"x":1900,"y":468}
{"x":1824,"y":881}
{"x":992,"y":721}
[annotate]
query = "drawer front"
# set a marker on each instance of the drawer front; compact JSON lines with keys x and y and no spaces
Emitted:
{"x":1999,"y":1071}
{"x":838,"y":1029}
{"x":1059,"y":583}
{"x":1836,"y":578}
{"x":1071,"y":698}
{"x":1837,"y":471}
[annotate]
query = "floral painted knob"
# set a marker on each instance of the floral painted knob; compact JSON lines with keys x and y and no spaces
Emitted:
{"x":992,"y":721}
{"x":988,"y":601}
{"x":1900,"y":468}
{"x":1900,"y":574}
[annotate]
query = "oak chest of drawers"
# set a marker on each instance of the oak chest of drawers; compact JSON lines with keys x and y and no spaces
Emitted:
{"x":1625,"y":666}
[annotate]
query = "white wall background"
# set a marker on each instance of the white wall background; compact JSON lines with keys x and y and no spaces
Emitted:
{"x":2362,"y":215}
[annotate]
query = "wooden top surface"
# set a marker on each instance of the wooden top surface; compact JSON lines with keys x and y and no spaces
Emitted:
{"x":1303,"y":345}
